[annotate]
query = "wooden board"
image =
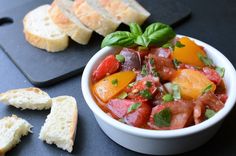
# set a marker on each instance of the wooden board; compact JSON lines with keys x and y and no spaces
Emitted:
{"x":42,"y":68}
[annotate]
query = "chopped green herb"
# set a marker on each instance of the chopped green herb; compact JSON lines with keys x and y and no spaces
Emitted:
{"x":176,"y":63}
{"x":209,"y":113}
{"x":167,"y":98}
{"x":114,"y":82}
{"x":179,"y":44}
{"x":146,"y":94}
{"x":149,"y":84}
{"x":144,"y":70}
{"x":207,"y":61}
{"x":220,"y":71}
{"x":134,"y":107}
{"x":176,"y":91}
{"x":122,"y":95}
{"x":131,"y":84}
{"x":163,"y":118}
{"x":154,"y":72}
{"x":169,"y":45}
{"x":207,"y":89}
{"x":120,"y":58}
{"x":152,"y":61}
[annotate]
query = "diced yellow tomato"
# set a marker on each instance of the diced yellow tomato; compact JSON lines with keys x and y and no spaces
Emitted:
{"x":189,"y":53}
{"x":192,"y":83}
{"x":112,"y":85}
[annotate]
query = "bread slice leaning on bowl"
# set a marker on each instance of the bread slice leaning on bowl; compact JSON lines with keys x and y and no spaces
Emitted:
{"x":94,"y":16}
{"x":12,"y":129}
{"x":60,"y":125}
{"x":62,"y":15}
{"x":41,"y":32}
{"x":127,"y":11}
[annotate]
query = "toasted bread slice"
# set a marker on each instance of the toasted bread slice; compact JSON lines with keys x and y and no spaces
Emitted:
{"x":61,"y":14}
{"x":94,"y":16}
{"x":60,"y":125}
{"x":41,"y":32}
{"x":127,"y":11}
{"x":11,"y":130}
{"x":27,"y":98}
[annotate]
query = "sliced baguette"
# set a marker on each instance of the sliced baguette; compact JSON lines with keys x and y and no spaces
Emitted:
{"x":27,"y":98}
{"x":94,"y":16}
{"x":60,"y":125}
{"x":61,"y":14}
{"x":41,"y":32}
{"x":11,"y":130}
{"x":127,"y":11}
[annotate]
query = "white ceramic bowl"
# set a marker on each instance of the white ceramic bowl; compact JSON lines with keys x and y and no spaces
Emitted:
{"x":160,"y":142}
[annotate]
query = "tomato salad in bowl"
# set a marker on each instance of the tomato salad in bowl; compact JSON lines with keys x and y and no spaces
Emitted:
{"x":154,"y":88}
{"x":162,"y":87}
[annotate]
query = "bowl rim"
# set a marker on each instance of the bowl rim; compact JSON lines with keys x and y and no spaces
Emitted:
{"x":85,"y":85}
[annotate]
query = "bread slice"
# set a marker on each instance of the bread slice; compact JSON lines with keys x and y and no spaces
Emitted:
{"x":61,"y":14}
{"x":94,"y":16}
{"x":27,"y":98}
{"x":127,"y":11}
{"x":60,"y":125}
{"x":41,"y":32}
{"x":11,"y":130}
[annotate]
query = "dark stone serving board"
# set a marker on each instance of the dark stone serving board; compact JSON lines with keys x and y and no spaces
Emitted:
{"x":42,"y":68}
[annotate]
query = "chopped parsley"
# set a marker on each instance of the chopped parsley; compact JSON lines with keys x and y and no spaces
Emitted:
{"x":149,"y":84}
{"x":154,"y":72}
{"x":122,"y":95}
{"x":179,"y":44}
{"x":152,"y":61}
{"x":176,"y":63}
{"x":167,"y":98}
{"x":114,"y":82}
{"x":146,"y":94}
{"x":176,"y":91}
{"x":207,"y":89}
{"x":207,"y":61}
{"x":120,"y":58}
{"x":209,"y":113}
{"x":134,"y":107}
{"x":163,"y":118}
{"x":131,"y":84}
{"x":220,"y":71}
{"x":144,"y":70}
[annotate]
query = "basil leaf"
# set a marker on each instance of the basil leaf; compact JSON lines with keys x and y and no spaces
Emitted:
{"x":176,"y":91}
{"x":114,"y":82}
{"x":122,"y":95}
{"x":134,"y":107}
{"x":118,"y":38}
{"x":146,"y":94}
{"x":209,"y":113}
{"x":135,"y":29}
{"x":207,"y":89}
{"x":142,"y":40}
{"x":159,"y":33}
{"x":179,"y":44}
{"x":163,"y":118}
{"x":220,"y":71}
{"x":207,"y":61}
{"x":167,"y":98}
{"x":149,"y":84}
{"x":120,"y":58}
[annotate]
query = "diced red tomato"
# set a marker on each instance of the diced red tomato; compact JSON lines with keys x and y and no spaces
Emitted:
{"x":161,"y":52}
{"x":108,"y":66}
{"x":118,"y":108}
{"x":207,"y":100}
{"x":181,"y":114}
{"x":222,"y":97}
{"x":164,"y":67}
{"x":134,"y":91}
{"x":212,"y":75}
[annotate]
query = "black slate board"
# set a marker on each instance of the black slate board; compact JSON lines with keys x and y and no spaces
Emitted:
{"x":43,"y":68}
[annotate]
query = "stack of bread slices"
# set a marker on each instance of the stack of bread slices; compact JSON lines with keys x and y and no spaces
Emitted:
{"x":49,"y":27}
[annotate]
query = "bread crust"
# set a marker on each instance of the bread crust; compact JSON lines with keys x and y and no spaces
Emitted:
{"x":94,"y":19}
{"x":78,"y":33}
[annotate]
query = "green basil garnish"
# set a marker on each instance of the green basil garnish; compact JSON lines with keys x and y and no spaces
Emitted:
{"x":220,"y":71}
{"x":120,"y":58}
{"x":179,"y":44}
{"x":207,"y":61}
{"x":209,"y":113}
{"x":114,"y":82}
{"x":207,"y":89}
{"x":167,"y":98}
{"x":135,"y":29}
{"x":146,"y":94}
{"x":134,"y":107}
{"x":163,"y":118}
